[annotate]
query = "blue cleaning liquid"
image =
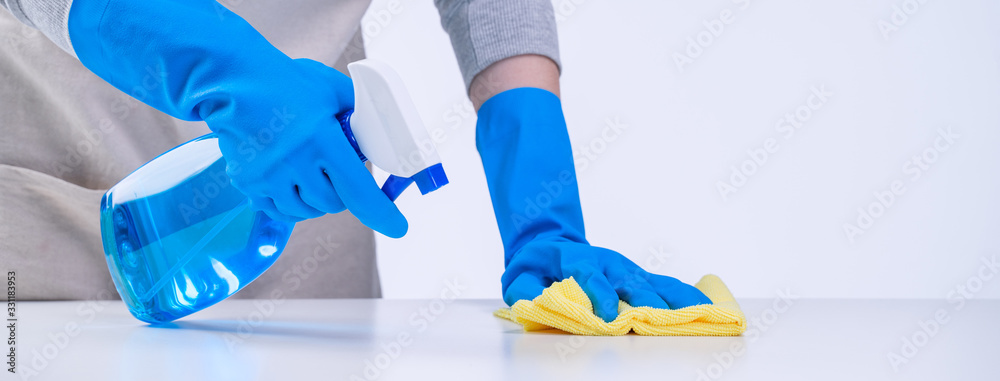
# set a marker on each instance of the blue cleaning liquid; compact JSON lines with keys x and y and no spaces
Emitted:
{"x":178,"y":237}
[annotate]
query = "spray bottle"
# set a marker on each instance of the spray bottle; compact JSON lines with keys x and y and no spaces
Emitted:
{"x":178,"y":237}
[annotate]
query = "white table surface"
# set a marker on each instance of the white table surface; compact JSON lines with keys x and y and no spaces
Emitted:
{"x":333,"y":339}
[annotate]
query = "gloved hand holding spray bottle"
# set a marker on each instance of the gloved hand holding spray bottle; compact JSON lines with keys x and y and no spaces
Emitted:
{"x":290,"y":137}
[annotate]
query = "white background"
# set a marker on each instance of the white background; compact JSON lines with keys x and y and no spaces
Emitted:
{"x":653,"y":186}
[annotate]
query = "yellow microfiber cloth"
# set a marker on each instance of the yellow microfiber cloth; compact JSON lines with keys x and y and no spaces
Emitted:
{"x":565,"y":306}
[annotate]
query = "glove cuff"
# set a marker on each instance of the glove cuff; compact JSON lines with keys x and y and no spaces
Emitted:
{"x":524,"y":145}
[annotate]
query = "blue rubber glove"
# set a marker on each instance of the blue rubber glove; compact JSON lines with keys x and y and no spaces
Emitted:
{"x":276,"y":117}
{"x":522,"y":139}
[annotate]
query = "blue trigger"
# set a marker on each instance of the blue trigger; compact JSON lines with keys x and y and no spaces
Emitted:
{"x":395,"y":185}
{"x":345,"y":125}
{"x":428,"y":180}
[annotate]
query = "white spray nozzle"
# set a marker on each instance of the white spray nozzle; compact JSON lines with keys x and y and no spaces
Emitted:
{"x":388,"y":130}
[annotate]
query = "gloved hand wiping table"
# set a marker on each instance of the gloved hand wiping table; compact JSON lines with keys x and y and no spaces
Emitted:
{"x":522,"y":138}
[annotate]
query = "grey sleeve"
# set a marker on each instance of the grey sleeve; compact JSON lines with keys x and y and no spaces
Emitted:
{"x":486,"y":31}
{"x":49,"y":16}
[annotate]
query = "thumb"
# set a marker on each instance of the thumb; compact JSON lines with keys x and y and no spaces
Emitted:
{"x":526,"y":286}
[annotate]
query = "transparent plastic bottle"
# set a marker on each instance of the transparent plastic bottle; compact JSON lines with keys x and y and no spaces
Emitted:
{"x":178,"y":237}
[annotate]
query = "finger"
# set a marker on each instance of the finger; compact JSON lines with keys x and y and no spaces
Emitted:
{"x":642,"y":297}
{"x":677,"y":294}
{"x":359,"y":192}
{"x":526,"y":286}
{"x":316,"y":191}
{"x":266,"y":205}
{"x":287,"y":201}
{"x":630,"y":282}
{"x":602,"y":296}
{"x":597,"y":287}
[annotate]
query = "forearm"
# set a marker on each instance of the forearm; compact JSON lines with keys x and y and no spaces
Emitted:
{"x":520,"y":135}
{"x":528,"y":70}
{"x":502,"y":44}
